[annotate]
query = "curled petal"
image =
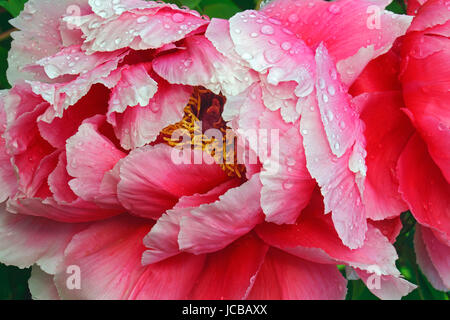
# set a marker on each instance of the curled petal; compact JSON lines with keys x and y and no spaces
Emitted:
{"x":344,"y":26}
{"x":151,"y":182}
{"x":200,"y":64}
{"x":211,"y":227}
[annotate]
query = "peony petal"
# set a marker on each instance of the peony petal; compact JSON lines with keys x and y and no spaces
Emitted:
{"x":162,"y":240}
{"x":286,"y":277}
{"x":72,"y":60}
{"x":387,"y":132}
{"x":200,"y":64}
{"x":218,"y":32}
{"x":212,"y":227}
{"x":338,"y":183}
{"x":89,"y":156}
{"x":285,"y":192}
{"x":390,"y":228}
{"x":135,"y":87}
{"x":341,"y":122}
{"x":141,"y":125}
{"x":26,"y":240}
{"x":344,"y":26}
{"x":433,"y":257}
{"x":315,"y":232}
{"x":152,"y":28}
{"x":7,"y":174}
{"x":380,"y":74}
{"x":232,"y":281}
{"x":351,"y":68}
{"x":60,"y":129}
{"x":65,"y":94}
{"x":32,"y":157}
{"x":58,"y":182}
{"x":283,"y":97}
{"x":423,"y":187}
{"x":425,"y":80}
{"x":431,"y":14}
{"x":41,"y":285}
{"x":386,"y":287}
{"x":267,"y":46}
{"x":73,"y":212}
{"x":151,"y":182}
{"x":39,"y":35}
{"x":108,"y":255}
{"x":413,"y":6}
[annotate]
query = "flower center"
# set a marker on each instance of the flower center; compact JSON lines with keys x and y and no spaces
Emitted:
{"x":202,"y":113}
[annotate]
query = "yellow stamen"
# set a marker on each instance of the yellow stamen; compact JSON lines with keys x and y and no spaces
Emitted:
{"x":199,"y":141}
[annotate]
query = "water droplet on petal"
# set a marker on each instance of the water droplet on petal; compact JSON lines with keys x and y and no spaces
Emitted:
{"x":330,"y":115}
{"x":291,"y":162}
{"x":142,"y":19}
{"x":268,"y":30}
{"x":334,"y":8}
{"x":287,"y":185}
{"x":178,"y":17}
{"x":274,"y":21}
{"x":247,"y":56}
{"x":321,"y":83}
{"x":331,"y":90}
{"x":272,"y":56}
{"x":286,"y":45}
{"x":293,"y":18}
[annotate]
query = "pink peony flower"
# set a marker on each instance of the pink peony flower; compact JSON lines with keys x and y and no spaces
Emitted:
{"x":87,"y":151}
{"x":425,"y":161}
{"x":412,"y":81}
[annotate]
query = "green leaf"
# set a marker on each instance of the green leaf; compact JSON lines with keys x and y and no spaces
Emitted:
{"x":190,"y":3}
{"x":397,"y":6}
{"x":220,"y":8}
{"x":246,"y":4}
{"x":14,"y":283}
{"x":14,"y":7}
{"x":3,"y":66}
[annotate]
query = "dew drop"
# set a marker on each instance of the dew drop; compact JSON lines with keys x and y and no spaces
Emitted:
{"x":178,"y":17}
{"x":293,"y":18}
{"x":142,"y":19}
{"x":275,"y":21}
{"x":333,"y":75}
{"x":247,"y":56}
{"x":334,"y":9}
{"x":331,"y":90}
{"x":268,"y":30}
{"x":287,"y":185}
{"x":286,"y":46}
{"x":330,"y":115}
{"x":321,"y":83}
{"x":291,"y":162}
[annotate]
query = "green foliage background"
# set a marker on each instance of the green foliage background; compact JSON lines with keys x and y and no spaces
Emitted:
{"x":14,"y":282}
